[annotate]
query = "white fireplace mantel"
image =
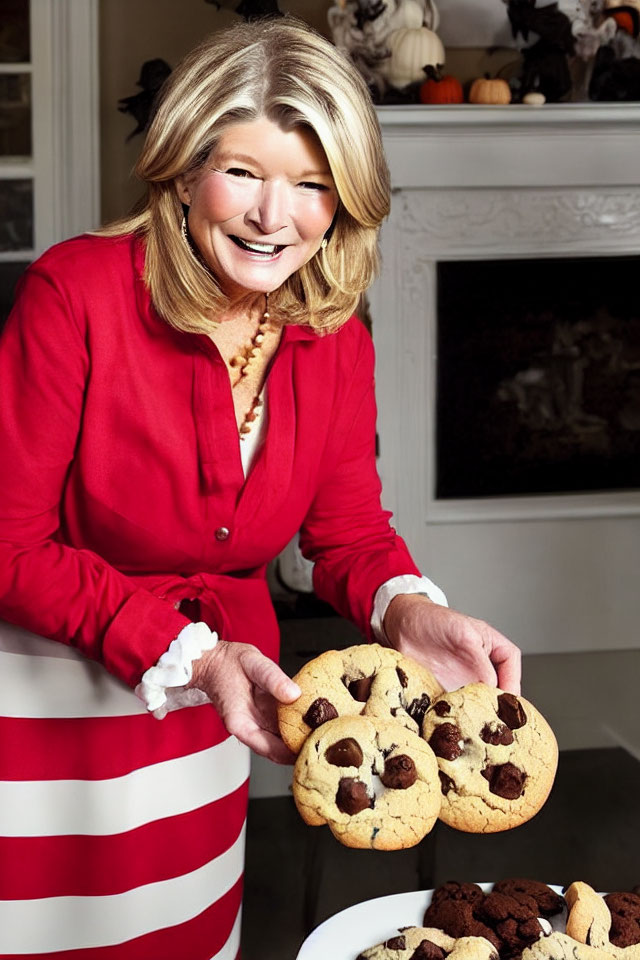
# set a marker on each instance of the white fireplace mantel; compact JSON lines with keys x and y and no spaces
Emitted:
{"x":470,"y":182}
{"x":512,"y":146}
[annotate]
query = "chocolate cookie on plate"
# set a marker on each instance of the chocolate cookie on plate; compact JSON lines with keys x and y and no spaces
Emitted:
{"x":591,"y":920}
{"x":497,"y":757}
{"x":365,"y":679}
{"x":374,"y":783}
{"x":426,"y":943}
{"x":506,"y":916}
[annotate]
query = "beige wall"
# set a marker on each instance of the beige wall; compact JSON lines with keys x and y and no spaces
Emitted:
{"x":132,"y":31}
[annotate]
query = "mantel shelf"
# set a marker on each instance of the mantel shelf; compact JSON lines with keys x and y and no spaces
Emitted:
{"x":469,"y":146}
{"x":416,"y":117}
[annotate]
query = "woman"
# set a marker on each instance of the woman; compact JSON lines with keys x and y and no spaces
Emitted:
{"x":181,"y":394}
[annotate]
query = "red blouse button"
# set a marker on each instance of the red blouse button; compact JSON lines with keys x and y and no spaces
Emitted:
{"x":222,"y":533}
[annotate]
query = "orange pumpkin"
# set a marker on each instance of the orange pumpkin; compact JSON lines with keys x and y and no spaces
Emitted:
{"x":490,"y":90}
{"x":624,"y":20}
{"x":440,"y":89}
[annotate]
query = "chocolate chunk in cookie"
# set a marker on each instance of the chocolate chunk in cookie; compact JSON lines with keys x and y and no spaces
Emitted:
{"x":319,"y":712}
{"x":505,"y":780}
{"x":445,"y":741}
{"x":496,"y":734}
{"x":359,"y":689}
{"x":418,"y":707}
{"x":402,"y":677}
{"x":511,"y":711}
{"x":352,"y":796}
{"x":442,"y":708}
{"x":446,"y":783}
{"x":428,"y":950}
{"x":396,"y":943}
{"x":344,"y":753}
{"x":399,"y":772}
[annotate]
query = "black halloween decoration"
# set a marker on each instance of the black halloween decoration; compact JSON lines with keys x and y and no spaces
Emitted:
{"x":613,"y":79}
{"x":545,"y":64}
{"x":253,"y":9}
{"x":153,"y":73}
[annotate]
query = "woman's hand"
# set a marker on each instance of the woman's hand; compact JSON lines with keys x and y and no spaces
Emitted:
{"x":243,"y":686}
{"x":456,"y":648}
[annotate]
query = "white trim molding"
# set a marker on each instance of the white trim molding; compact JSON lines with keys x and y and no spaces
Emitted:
{"x":65,"y":120}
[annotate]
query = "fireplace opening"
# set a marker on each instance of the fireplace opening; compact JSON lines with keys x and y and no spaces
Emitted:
{"x":537,"y":377}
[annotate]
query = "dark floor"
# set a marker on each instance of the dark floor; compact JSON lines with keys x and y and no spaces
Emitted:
{"x":297,"y":876}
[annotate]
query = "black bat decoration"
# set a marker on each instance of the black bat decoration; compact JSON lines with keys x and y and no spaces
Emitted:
{"x":153,"y":73}
{"x":545,"y":65}
{"x":551,"y":25}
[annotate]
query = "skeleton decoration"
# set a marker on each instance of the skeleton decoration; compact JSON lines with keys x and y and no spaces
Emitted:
{"x":369,"y":30}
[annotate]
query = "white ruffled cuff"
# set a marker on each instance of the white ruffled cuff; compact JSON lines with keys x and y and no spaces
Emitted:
{"x":163,"y":686}
{"x":408,"y":583}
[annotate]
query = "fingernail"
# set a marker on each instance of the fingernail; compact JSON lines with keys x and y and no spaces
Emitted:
{"x":294,"y":691}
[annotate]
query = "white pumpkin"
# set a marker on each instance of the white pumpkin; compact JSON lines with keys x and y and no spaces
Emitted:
{"x":412,"y":49}
{"x":407,"y":15}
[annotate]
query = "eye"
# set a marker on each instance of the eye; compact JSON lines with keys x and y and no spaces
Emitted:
{"x":239,"y":172}
{"x":310,"y":185}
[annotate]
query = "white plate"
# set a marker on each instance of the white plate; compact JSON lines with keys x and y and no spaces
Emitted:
{"x":357,"y":928}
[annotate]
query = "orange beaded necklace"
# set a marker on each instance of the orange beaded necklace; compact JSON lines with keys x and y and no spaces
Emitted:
{"x":242,"y":362}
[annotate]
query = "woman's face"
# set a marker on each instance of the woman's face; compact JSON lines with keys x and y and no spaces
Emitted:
{"x":261,"y":205}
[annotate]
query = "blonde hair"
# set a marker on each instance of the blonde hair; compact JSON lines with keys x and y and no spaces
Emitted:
{"x":282,"y":70}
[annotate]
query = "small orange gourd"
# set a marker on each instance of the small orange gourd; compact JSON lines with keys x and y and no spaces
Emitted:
{"x":493,"y":90}
{"x":439,"y":88}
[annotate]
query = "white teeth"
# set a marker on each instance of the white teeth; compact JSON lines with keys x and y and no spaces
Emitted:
{"x":257,"y":247}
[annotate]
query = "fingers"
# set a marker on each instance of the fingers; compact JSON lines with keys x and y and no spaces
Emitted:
{"x":269,"y":677}
{"x":506,"y":658}
{"x":259,"y":740}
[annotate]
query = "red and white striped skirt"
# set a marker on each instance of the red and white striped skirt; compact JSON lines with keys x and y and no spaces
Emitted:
{"x":121,"y":836}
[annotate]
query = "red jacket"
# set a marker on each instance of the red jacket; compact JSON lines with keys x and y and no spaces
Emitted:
{"x":120,"y":459}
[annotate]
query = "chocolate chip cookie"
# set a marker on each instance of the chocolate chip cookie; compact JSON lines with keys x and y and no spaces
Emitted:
{"x":365,"y":679}
{"x":374,"y":783}
{"x":591,"y":920}
{"x":558,"y":946}
{"x":426,"y":943}
{"x":497,"y":757}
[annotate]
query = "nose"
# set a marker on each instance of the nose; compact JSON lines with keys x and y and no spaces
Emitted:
{"x":269,"y":214}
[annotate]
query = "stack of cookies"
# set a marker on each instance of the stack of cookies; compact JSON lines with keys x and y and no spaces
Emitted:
{"x":383,"y":751}
{"x":508,"y":923}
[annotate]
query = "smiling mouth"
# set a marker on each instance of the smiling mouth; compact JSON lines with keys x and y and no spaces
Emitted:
{"x":266,"y":249}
